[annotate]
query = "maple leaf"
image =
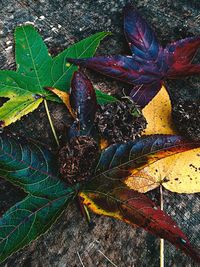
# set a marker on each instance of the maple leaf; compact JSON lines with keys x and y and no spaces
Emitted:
{"x":166,"y":172}
{"x":36,"y":69}
{"x":150,"y":63}
{"x":35,"y":169}
{"x":109,"y":193}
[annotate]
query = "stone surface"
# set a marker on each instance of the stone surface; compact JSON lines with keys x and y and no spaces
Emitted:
{"x":62,"y":23}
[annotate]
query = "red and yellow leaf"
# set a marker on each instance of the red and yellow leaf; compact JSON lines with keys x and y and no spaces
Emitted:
{"x":113,"y":199}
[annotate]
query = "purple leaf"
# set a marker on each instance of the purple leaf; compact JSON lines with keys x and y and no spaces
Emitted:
{"x":183,"y":70}
{"x":83,"y":103}
{"x":141,"y":38}
{"x":149,"y":64}
{"x":143,"y":94}
{"x":123,"y":68}
{"x":182,"y":51}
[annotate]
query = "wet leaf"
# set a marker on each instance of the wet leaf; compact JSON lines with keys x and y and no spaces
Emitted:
{"x":37,"y":69}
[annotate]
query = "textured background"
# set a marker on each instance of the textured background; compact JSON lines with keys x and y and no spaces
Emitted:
{"x":62,"y":23}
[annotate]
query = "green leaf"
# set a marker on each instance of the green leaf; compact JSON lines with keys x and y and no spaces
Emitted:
{"x":103,"y":98}
{"x":37,"y":69}
{"x":27,"y":220}
{"x":86,"y":48}
{"x":31,"y":167}
{"x":32,"y":57}
{"x":21,"y":99}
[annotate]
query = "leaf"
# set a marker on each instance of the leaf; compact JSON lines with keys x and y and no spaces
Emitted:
{"x":149,"y":64}
{"x":158,"y":114}
{"x":62,"y":72}
{"x":103,"y":98}
{"x":64,"y":96}
{"x":181,"y":53}
{"x":135,"y":208}
{"x":32,"y":57}
{"x":37,"y":69}
{"x":21,"y":100}
{"x":27,"y":220}
{"x":143,"y":94}
{"x":84,"y":104}
{"x":140,"y":37}
{"x":167,"y":171}
{"x":179,"y":173}
{"x":121,"y":160}
{"x":123,"y":68}
{"x":108,"y":195}
{"x":31,"y":167}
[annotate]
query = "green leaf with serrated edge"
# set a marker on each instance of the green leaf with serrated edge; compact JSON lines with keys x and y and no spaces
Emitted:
{"x":83,"y":49}
{"x":22,"y":100}
{"x":103,"y":98}
{"x":35,"y":69}
{"x":32,"y":57}
{"x":31,"y":167}
{"x":27,"y":220}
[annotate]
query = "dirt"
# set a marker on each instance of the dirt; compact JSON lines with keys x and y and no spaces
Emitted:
{"x":62,"y":23}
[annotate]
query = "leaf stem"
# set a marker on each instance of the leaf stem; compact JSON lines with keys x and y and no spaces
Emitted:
{"x":162,"y":260}
{"x":50,"y":122}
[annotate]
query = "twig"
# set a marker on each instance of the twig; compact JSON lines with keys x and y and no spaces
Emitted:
{"x":106,"y":257}
{"x":50,"y":122}
{"x":80,"y":259}
{"x":162,"y":259}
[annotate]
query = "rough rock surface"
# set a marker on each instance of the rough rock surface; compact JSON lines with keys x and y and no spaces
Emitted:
{"x":62,"y":23}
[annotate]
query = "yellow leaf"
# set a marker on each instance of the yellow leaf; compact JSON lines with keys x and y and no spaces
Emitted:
{"x":158,"y":114}
{"x":178,"y":173}
{"x":16,"y":107}
{"x":64,"y":97}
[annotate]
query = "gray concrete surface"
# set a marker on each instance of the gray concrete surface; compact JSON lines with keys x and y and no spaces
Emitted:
{"x":62,"y":23}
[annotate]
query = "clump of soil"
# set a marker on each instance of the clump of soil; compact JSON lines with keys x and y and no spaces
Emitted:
{"x":120,"y":121}
{"x":77,"y":159}
{"x":186,"y":116}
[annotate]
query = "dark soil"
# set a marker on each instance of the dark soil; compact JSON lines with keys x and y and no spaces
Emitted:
{"x":62,"y":23}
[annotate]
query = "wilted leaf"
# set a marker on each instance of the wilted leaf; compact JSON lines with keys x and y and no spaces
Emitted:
{"x":37,"y":69}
